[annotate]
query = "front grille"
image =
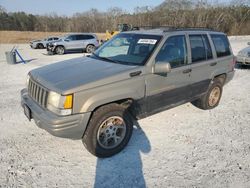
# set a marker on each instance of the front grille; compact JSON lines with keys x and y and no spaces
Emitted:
{"x":37,"y":93}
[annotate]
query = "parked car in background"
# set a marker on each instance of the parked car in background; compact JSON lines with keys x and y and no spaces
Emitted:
{"x":243,"y":57}
{"x":87,"y":42}
{"x":40,"y":44}
{"x":133,"y":75}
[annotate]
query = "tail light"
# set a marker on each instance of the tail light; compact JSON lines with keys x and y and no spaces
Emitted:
{"x":232,"y":64}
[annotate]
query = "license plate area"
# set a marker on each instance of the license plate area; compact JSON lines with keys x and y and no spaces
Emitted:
{"x":27,"y":112}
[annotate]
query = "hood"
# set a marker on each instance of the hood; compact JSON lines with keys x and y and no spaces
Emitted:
{"x":79,"y":74}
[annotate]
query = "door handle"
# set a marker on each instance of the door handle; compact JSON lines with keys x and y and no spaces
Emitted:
{"x":137,"y":73}
{"x":187,"y":71}
{"x":213,"y":64}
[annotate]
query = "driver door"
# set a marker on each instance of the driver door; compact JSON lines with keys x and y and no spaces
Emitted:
{"x":165,"y":91}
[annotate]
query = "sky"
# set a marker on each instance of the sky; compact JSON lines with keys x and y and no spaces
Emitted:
{"x":69,"y":7}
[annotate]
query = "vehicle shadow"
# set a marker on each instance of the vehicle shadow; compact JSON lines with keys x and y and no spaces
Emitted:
{"x":124,"y":169}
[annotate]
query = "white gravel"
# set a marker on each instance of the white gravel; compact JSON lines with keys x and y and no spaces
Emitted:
{"x":181,"y":147}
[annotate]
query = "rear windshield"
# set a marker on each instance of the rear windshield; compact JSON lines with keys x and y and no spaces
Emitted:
{"x":221,"y":44}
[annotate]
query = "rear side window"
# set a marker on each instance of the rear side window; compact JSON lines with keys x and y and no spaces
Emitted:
{"x":84,"y":37}
{"x":221,"y":45}
{"x":200,"y":48}
{"x":87,"y":37}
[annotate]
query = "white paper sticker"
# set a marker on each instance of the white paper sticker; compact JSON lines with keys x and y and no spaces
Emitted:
{"x":147,"y":41}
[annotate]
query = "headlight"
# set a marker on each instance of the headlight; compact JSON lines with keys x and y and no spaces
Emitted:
{"x":27,"y":80}
{"x":60,"y":104}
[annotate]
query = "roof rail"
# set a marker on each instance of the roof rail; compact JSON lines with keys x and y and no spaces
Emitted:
{"x":192,"y":29}
{"x":173,"y":28}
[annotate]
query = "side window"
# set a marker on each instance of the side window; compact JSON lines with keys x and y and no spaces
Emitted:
{"x":87,"y":37}
{"x":200,"y":48}
{"x":55,"y":38}
{"x":221,"y":45}
{"x":80,"y":37}
{"x":84,"y":37}
{"x":50,"y":39}
{"x":174,"y":51}
{"x":71,"y":37}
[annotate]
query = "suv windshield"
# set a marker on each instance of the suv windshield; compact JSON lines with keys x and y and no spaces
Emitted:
{"x":128,"y":48}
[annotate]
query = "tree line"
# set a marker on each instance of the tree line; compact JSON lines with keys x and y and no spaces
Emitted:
{"x":233,"y":18}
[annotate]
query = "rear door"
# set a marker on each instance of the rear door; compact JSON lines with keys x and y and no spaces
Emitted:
{"x":202,"y":64}
{"x":173,"y":88}
{"x":223,"y":53}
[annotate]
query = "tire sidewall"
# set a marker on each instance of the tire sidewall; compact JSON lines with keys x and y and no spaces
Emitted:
{"x":218,"y":84}
{"x":87,"y":48}
{"x":40,"y":46}
{"x":60,"y":47}
{"x":93,"y":127}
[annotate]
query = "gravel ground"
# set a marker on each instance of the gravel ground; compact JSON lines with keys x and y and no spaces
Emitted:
{"x":181,"y":147}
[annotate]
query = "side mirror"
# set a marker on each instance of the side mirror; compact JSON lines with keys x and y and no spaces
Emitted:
{"x":248,"y":43}
{"x":162,"y":67}
{"x":66,"y":40}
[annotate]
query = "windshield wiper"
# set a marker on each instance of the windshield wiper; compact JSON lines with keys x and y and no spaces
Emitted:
{"x":115,"y":61}
{"x":105,"y":58}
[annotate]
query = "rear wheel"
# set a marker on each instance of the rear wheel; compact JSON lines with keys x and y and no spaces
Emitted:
{"x":60,"y":50}
{"x":40,"y":46}
{"x":90,"y":48}
{"x":109,"y":131}
{"x":212,"y":98}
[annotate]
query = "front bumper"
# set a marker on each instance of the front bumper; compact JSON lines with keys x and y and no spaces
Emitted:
{"x":243,"y":60}
{"x":50,"y":48}
{"x":72,"y":126}
{"x":32,"y":45}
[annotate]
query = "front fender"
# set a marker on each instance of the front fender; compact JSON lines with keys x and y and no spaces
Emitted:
{"x":88,"y":100}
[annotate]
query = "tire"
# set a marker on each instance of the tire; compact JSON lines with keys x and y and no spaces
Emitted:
{"x":40,"y":46}
{"x":238,"y":65}
{"x":101,"y":136}
{"x":212,"y":98}
{"x":90,"y":48}
{"x":60,"y":50}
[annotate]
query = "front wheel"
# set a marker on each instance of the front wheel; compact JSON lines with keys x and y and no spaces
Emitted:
{"x":90,"y":48}
{"x":108,"y":131}
{"x":212,"y":98}
{"x":60,"y":50}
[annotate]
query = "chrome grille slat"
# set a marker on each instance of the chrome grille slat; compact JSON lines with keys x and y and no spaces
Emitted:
{"x":37,"y":93}
{"x":40,"y":96}
{"x":31,"y":89}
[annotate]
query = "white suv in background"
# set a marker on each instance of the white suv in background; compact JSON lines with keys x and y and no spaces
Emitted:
{"x":40,"y":44}
{"x":87,"y":42}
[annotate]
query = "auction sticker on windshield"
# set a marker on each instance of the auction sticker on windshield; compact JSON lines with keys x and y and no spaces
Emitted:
{"x":147,"y":41}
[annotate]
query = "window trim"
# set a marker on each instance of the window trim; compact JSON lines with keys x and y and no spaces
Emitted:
{"x":230,"y":50}
{"x":186,"y":59}
{"x":202,"y":37}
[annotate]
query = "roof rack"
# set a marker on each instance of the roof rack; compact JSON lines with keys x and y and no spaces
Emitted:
{"x":173,"y":28}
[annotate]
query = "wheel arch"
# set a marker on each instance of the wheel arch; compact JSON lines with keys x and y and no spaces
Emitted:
{"x":222,"y":77}
{"x":39,"y":44}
